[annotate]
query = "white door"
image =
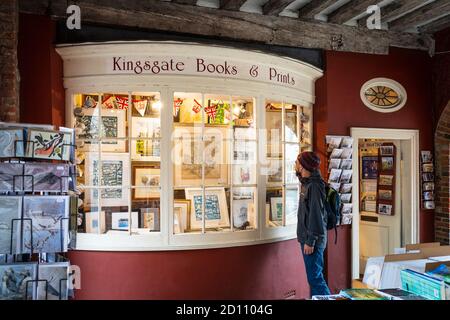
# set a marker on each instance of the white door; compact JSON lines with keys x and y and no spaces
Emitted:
{"x":381,"y":234}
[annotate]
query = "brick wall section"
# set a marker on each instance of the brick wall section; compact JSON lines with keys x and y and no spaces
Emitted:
{"x":9,"y":74}
{"x":442,"y":143}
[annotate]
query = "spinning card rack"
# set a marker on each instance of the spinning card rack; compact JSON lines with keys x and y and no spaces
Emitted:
{"x":25,"y":184}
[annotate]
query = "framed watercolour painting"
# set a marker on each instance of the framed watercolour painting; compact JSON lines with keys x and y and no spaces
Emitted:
{"x":146,"y":180}
{"x":114,"y":175}
{"x":216,"y":209}
{"x":113,"y":126}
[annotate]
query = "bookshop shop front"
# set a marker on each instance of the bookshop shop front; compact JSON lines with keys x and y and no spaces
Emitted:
{"x":182,"y":147}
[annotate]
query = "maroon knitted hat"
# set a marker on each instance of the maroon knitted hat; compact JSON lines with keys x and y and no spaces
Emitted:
{"x":309,"y":160}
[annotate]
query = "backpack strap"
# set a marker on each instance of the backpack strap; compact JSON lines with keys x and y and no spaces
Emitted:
{"x":335,"y":234}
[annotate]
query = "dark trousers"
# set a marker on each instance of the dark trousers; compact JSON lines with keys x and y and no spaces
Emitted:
{"x":314,"y":272}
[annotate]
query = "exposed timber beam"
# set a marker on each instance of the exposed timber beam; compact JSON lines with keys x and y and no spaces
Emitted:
{"x":274,"y":7}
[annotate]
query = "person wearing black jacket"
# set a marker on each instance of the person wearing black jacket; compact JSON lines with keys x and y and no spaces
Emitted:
{"x":312,"y":220}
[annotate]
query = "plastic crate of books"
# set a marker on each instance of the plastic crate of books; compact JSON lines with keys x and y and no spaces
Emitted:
{"x":422,"y":285}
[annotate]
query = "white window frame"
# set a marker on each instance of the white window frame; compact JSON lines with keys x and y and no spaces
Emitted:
{"x":167,"y":85}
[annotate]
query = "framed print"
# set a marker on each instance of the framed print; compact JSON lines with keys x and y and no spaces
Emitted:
{"x":190,"y":156}
{"x":183,"y":209}
{"x":429,"y":205}
{"x":428,"y":186}
{"x":149,"y":147}
{"x":347,"y":218}
{"x":49,"y":145}
{"x":276,"y":209}
{"x":275,"y":172}
{"x":387,"y":163}
{"x":385,"y":194}
{"x":49,"y":230}
{"x":115,"y":174}
{"x":243,"y":210}
{"x":290,"y":126}
{"x":427,"y":167}
{"x":427,"y":156}
{"x":95,"y":222}
{"x":370,"y":205}
{"x":243,"y":193}
{"x":147,"y":182}
{"x":14,"y":277}
{"x":386,"y":180}
{"x":11,"y":177}
{"x":150,"y":219}
{"x":387,"y":150}
{"x":10,"y":208}
{"x":57,"y":286}
{"x":369,"y":167}
{"x":113,"y":126}
{"x":385,"y":209}
{"x":46,"y":177}
{"x":11,"y":143}
{"x":244,"y":174}
{"x":216,"y":209}
{"x":121,"y":220}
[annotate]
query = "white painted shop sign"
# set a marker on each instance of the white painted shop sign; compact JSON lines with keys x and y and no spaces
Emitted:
{"x":172,"y":58}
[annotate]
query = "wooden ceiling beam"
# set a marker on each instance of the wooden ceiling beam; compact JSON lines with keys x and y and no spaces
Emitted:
{"x":421,"y":15}
{"x":309,"y":10}
{"x":436,"y":25}
{"x":229,"y":25}
{"x":190,"y":2}
{"x":274,"y":7}
{"x":350,"y":10}
{"x":231,"y":4}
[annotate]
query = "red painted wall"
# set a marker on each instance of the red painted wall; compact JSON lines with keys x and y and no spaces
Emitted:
{"x":250,"y":272}
{"x":339,"y":108}
{"x":41,"y":88}
{"x":253,"y":272}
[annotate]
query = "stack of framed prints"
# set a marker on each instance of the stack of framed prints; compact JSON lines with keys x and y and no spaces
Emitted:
{"x":386,"y":179}
{"x":37,"y":211}
{"x":339,"y":152}
{"x":427,"y":169}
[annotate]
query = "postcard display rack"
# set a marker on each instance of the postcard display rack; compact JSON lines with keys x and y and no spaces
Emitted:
{"x":427,"y":175}
{"x":38,"y":211}
{"x":339,"y":152}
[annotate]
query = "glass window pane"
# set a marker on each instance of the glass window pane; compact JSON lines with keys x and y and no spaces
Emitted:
{"x":93,"y":218}
{"x":290,"y":123}
{"x":292,"y":151}
{"x":292,"y":198}
{"x":274,"y":129}
{"x":187,"y":108}
{"x":244,"y":208}
{"x":146,"y":201}
{"x":306,"y":128}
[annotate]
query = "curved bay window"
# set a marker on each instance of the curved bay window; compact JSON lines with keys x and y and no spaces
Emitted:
{"x":186,"y":161}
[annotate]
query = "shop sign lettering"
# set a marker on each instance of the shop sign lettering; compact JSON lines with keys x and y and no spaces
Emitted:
{"x":201,"y":66}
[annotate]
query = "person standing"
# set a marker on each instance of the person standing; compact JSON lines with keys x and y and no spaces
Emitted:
{"x":312,"y":220}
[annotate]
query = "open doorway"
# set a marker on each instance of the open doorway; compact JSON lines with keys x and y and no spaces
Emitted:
{"x":385,"y":189}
